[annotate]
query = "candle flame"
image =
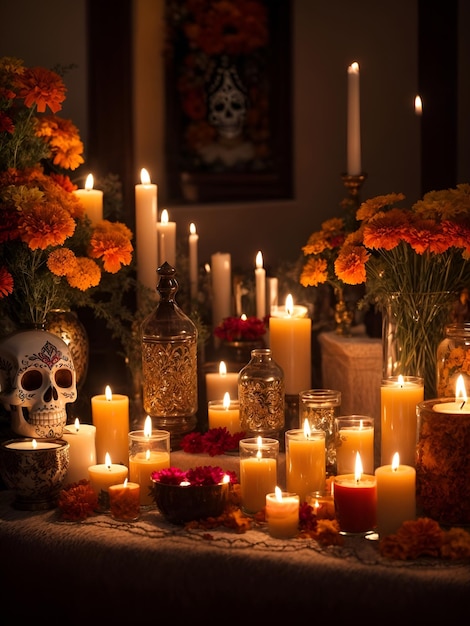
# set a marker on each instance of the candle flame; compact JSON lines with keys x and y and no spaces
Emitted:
{"x":147,"y":455}
{"x":395,"y":461}
{"x":358,"y":468}
{"x":107,"y":461}
{"x":353,"y":68}
{"x":34,"y":444}
{"x":307,"y":431}
{"x":125,"y":482}
{"x":226,"y":401}
{"x":259,"y":441}
{"x":289,"y":304}
{"x":222,"y":368}
{"x":192,"y":229}
{"x":184,"y":483}
{"x":278,"y":493}
{"x":259,"y":260}
{"x":460,"y":391}
{"x":148,"y":426}
{"x":418,"y":105}
{"x":207,"y":267}
{"x":401,"y":380}
{"x":164,"y":217}
{"x":226,"y":479}
{"x":108,"y":393}
{"x":89,"y":182}
{"x":243,"y":317}
{"x":77,"y":424}
{"x":144,"y":177}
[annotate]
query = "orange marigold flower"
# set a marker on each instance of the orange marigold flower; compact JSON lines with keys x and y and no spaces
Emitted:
{"x":6,"y":282}
{"x":44,"y":225}
{"x":386,"y":230}
{"x":111,"y":243}
{"x":63,"y":139}
{"x":350,"y":266}
{"x":456,"y":544}
{"x":62,"y":262}
{"x":369,"y":208}
{"x":6,"y":123}
{"x":425,"y":236}
{"x":64,"y":181}
{"x":414,"y":538}
{"x":41,"y":87}
{"x":86,"y":274}
{"x":315,"y":272}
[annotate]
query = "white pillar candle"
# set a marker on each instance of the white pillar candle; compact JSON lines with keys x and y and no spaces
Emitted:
{"x":290,"y":340}
{"x":260,"y":279}
{"x":110,"y":415}
{"x":92,"y":200}
{"x":81,"y":438}
{"x":221,"y":382}
{"x":166,"y":234}
{"x":396,"y":496}
{"x":103,"y":475}
{"x":193,"y":261}
{"x":282,"y":514}
{"x":145,"y":230}
{"x":354,"y":126}
{"x":221,"y":272}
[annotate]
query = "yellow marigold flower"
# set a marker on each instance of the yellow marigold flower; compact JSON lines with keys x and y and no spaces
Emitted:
{"x":111,"y":243}
{"x":370,"y":207}
{"x":44,"y":225}
{"x":63,"y":138}
{"x":62,"y":262}
{"x":41,"y":87}
{"x":316,"y":244}
{"x":350,"y":266}
{"x":333,"y":224}
{"x":85,"y":275}
{"x":314,"y":272}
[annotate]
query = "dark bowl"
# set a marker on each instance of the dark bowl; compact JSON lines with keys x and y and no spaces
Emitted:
{"x":181,"y":504}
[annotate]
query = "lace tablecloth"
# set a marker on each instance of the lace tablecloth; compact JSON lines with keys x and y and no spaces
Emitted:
{"x":100,"y":569}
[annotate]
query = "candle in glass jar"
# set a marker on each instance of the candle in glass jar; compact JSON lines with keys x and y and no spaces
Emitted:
{"x":124,"y":501}
{"x":282,"y":514}
{"x":396,"y":496}
{"x":354,"y":434}
{"x":225,"y":414}
{"x":110,"y":415}
{"x":258,"y":472}
{"x":305,"y":461}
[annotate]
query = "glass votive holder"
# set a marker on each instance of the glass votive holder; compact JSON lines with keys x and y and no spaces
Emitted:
{"x":258,"y":471}
{"x":282,"y":514}
{"x":305,"y":461}
{"x":356,"y":503}
{"x":147,"y":453}
{"x":354,"y":434}
{"x":323,"y":504}
{"x":124,"y":501}
{"x":224,"y":414}
{"x":320,"y":407}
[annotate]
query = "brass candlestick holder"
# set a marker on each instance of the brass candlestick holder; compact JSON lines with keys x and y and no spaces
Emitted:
{"x":354,"y":184}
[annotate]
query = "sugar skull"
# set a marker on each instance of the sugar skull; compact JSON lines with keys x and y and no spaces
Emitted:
{"x":37,"y":380}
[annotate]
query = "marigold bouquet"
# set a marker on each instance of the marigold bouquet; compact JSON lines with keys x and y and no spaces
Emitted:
{"x":50,"y":253}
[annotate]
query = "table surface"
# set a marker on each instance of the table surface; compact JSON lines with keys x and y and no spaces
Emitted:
{"x":124,"y":572}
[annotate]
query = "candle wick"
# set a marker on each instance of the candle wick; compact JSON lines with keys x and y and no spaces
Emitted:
{"x":462,"y":405}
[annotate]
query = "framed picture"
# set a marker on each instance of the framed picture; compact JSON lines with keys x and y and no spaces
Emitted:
{"x":228,"y":100}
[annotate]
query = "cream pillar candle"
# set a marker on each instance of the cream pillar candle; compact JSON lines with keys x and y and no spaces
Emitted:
{"x":221,"y":272}
{"x":193,"y":261}
{"x":92,"y":200}
{"x":103,"y":475}
{"x":224,"y":414}
{"x":110,"y":415}
{"x":305,"y":461}
{"x":258,"y":472}
{"x":260,"y":280}
{"x":354,"y":123}
{"x":145,"y":230}
{"x":221,"y":382}
{"x":354,"y":434}
{"x":82,"y":454}
{"x":290,"y":340}
{"x":166,"y":234}
{"x":399,"y":397}
{"x":282,"y":514}
{"x":396,"y":496}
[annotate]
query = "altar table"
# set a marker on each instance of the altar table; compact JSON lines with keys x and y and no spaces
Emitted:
{"x":149,"y":571}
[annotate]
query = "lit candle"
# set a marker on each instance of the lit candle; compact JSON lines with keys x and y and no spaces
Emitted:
{"x":290,"y":342}
{"x":92,"y":200}
{"x":166,"y":234}
{"x":221,"y":382}
{"x":149,"y":452}
{"x":355,"y":497}
{"x":193,"y":262}
{"x":354,"y":125}
{"x":260,"y":278}
{"x":399,"y":396}
{"x":33,"y":444}
{"x":258,"y":477}
{"x":103,"y":475}
{"x":396,"y":496}
{"x":459,"y":405}
{"x":418,"y":106}
{"x":110,"y":415}
{"x":305,"y":461}
{"x":124,"y":501}
{"x":81,"y":438}
{"x":145,"y":230}
{"x":282,"y":514}
{"x":221,"y":272}
{"x":225,"y":413}
{"x":354,"y":434}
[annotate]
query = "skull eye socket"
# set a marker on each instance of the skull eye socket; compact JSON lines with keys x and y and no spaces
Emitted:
{"x":63,"y":378}
{"x":31,"y":380}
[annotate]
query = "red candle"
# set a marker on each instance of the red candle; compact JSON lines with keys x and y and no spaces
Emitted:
{"x":356,"y":501}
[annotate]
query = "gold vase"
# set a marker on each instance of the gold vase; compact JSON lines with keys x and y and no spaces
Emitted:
{"x":65,"y":324}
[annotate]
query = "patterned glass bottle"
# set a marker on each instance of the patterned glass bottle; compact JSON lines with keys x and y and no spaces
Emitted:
{"x":169,"y":362}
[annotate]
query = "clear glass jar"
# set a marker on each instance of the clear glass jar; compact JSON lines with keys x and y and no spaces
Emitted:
{"x":169,"y":362}
{"x":453,"y":359}
{"x":261,"y":395}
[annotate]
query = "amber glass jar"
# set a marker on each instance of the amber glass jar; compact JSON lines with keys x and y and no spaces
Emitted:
{"x":453,"y":359}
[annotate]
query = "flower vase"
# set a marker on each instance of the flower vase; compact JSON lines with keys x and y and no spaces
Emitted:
{"x":65,"y":324}
{"x":413,"y":325}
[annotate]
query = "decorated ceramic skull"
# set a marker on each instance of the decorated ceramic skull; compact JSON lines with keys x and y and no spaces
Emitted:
{"x":227,"y":104}
{"x":37,"y":380}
